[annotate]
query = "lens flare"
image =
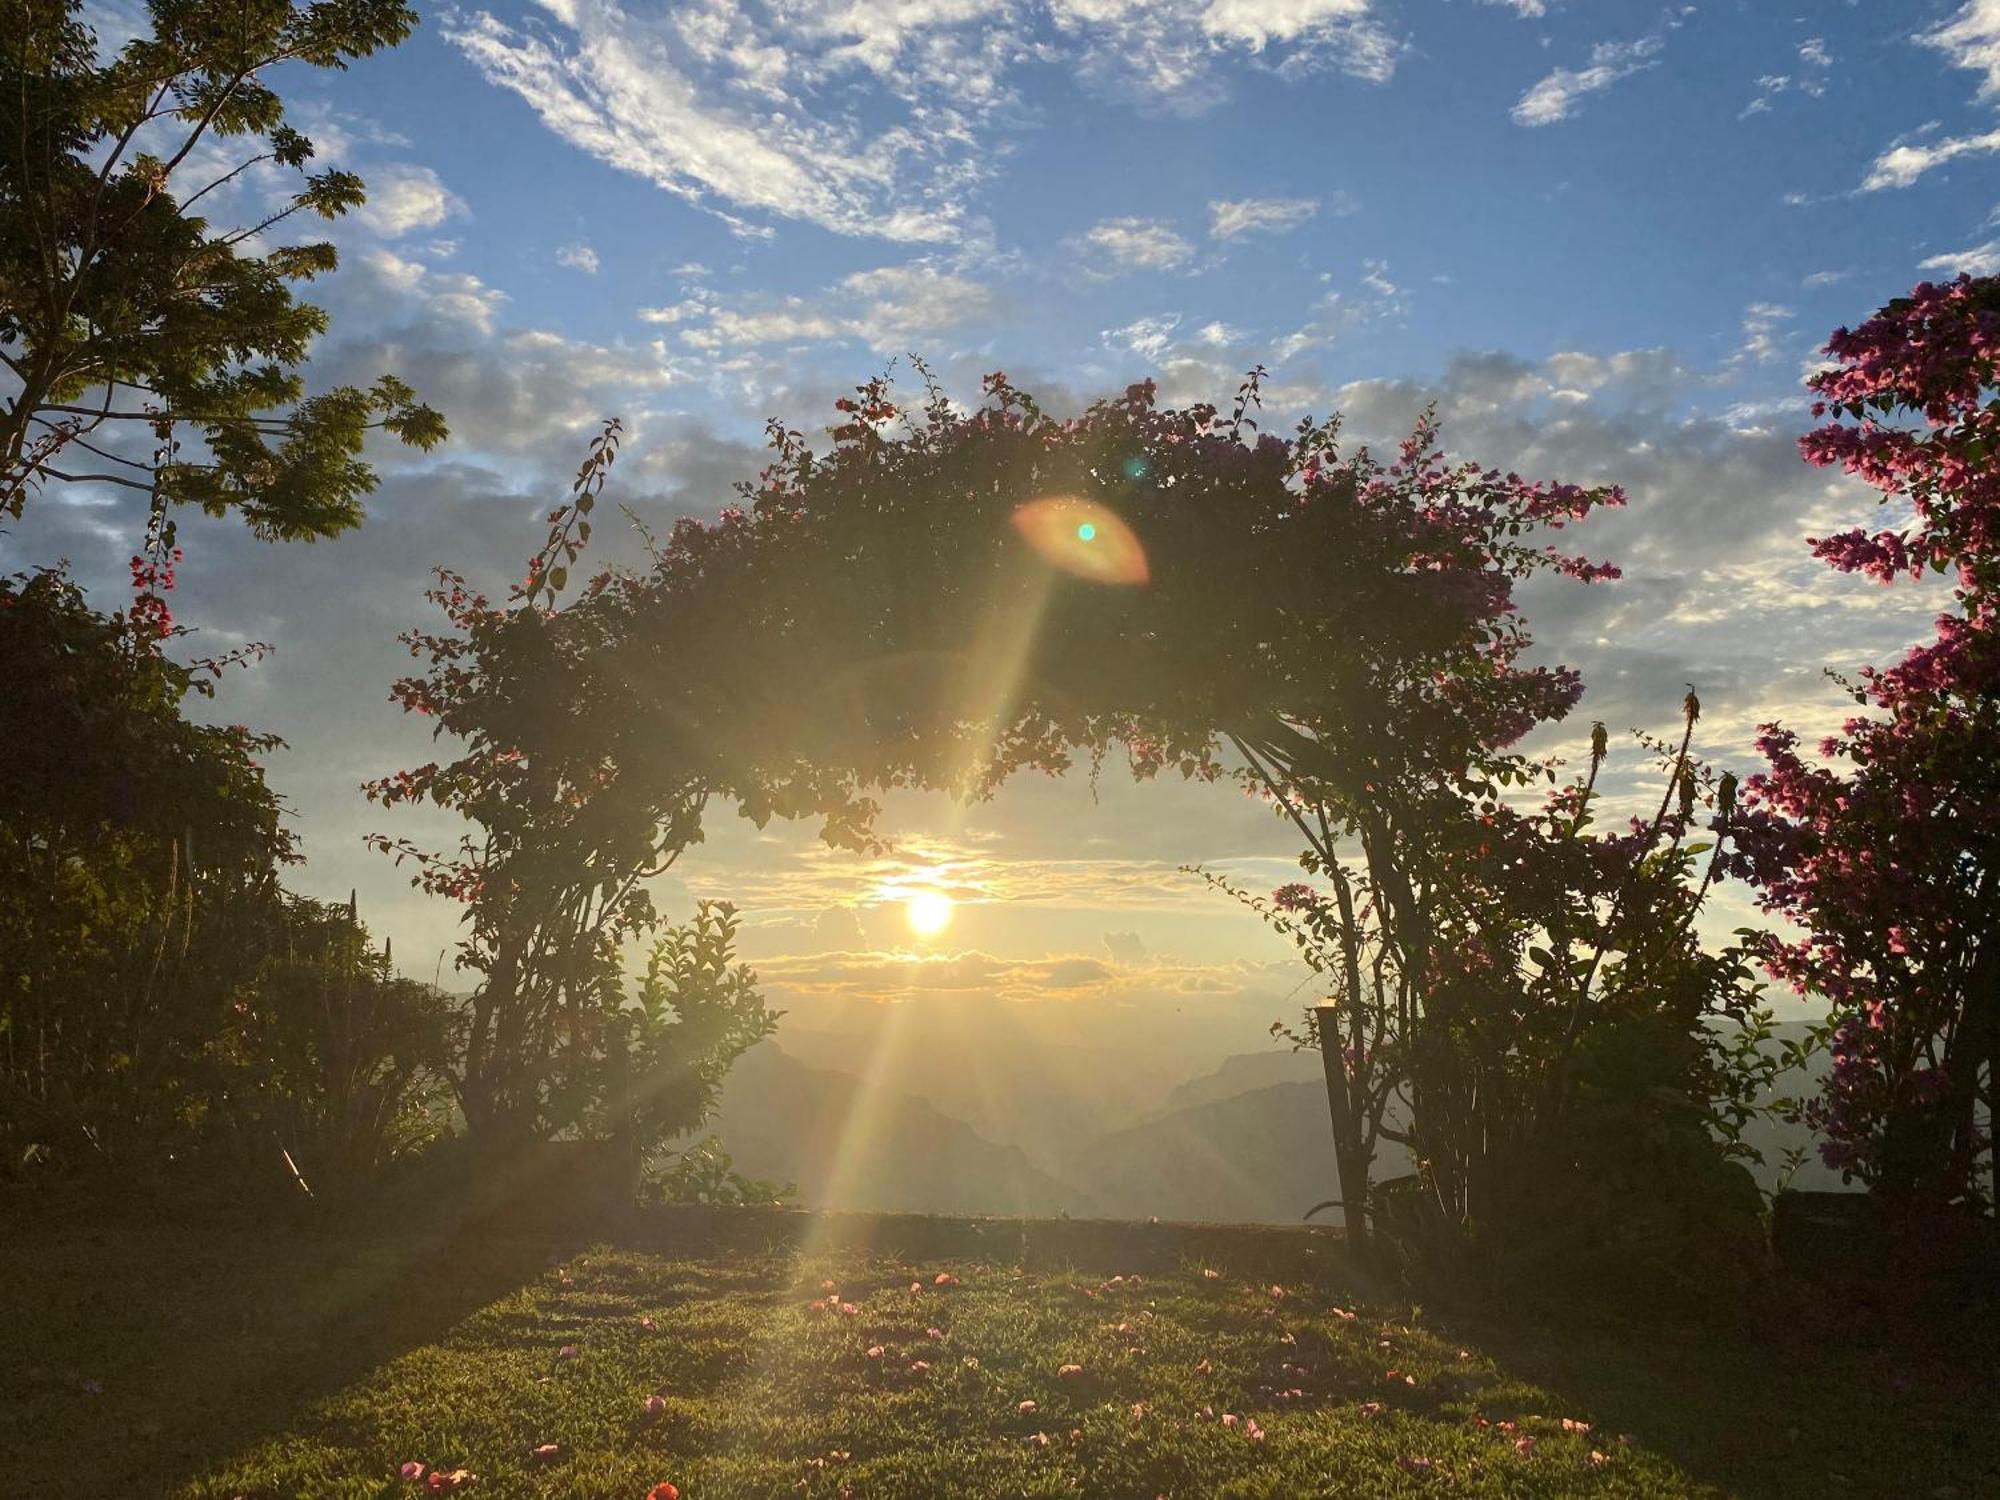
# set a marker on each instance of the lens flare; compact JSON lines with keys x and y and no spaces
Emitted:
{"x":1083,"y":538}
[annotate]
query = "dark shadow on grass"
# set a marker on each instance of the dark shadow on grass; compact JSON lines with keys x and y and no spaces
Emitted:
{"x":1810,"y":1396}
{"x":141,"y":1354}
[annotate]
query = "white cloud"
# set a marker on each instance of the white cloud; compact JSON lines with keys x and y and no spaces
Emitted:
{"x":1527,"y":10}
{"x":579,"y":257}
{"x":1903,"y":164}
{"x":752,"y":109}
{"x":1555,"y":98}
{"x":1979,"y":260}
{"x":1825,"y":278}
{"x":888,"y":308}
{"x":1131,"y":243}
{"x":615,"y":88}
{"x":1147,"y":337}
{"x":1227,"y":218}
{"x":1971,"y":39}
{"x":1810,"y":80}
{"x":403,"y":197}
{"x":1761,"y":322}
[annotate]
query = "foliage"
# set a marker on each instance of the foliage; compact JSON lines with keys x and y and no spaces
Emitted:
{"x":704,"y":1173}
{"x":164,"y":1003}
{"x":335,"y":1067}
{"x":667,"y":1051}
{"x":1523,"y":1002}
{"x":151,"y":349}
{"x":137,"y":851}
{"x":871,"y":618}
{"x":1886,"y":851}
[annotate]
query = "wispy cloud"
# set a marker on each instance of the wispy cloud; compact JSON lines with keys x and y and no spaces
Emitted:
{"x":1113,"y":246}
{"x":1971,"y":39}
{"x":875,"y":120}
{"x":1979,"y":260}
{"x":1903,"y":164}
{"x":1809,"y":78}
{"x":579,"y":257}
{"x":1556,"y":97}
{"x":1228,"y":218}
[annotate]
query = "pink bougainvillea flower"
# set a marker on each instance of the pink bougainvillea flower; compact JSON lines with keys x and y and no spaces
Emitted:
{"x":1204,"y":1368}
{"x":1570,"y":1424}
{"x":916,"y":1289}
{"x":1252,"y":1431}
{"x":1026,"y":1408}
{"x":656,"y":1406}
{"x":944,"y":1278}
{"x":548,"y":1451}
{"x":1229,"y":1419}
{"x":1210,"y":1274}
{"x":919,"y":1366}
{"x":849,"y":1310}
{"x":1597,"y":1460}
{"x":874,"y":1351}
{"x":568,"y":1351}
{"x":933,"y":1333}
{"x":1343,"y":1314}
{"x":1464,"y":1354}
{"x":970,"y":1363}
{"x":441,"y":1480}
{"x":1206,"y":1414}
{"x":664,"y":1491}
{"x":1067,"y":1371}
{"x":1038,"y":1440}
{"x":1277,"y":1294}
{"x":1371,"y":1408}
{"x":1138,"y":1410}
{"x":1525,"y":1446}
{"x":411,"y":1471}
{"x":1505,"y":1426}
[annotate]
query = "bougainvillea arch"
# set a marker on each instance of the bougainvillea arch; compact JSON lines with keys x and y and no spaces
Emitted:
{"x":900,"y":611}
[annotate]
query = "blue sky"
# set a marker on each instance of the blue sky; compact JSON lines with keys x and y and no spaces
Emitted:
{"x":1605,"y":238}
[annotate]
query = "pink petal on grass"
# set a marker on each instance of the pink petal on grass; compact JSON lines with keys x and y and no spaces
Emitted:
{"x":1069,"y":1370}
{"x":568,"y":1351}
{"x":649,"y":1325}
{"x":934,"y":1333}
{"x":944,"y":1278}
{"x":656,"y":1406}
{"x":874,"y":1351}
{"x":544,"y":1452}
{"x":1026,"y":1408}
{"x":411,"y":1471}
{"x":1524,"y":1446}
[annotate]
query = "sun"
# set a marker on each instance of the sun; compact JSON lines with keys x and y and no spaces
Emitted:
{"x":928,"y":912}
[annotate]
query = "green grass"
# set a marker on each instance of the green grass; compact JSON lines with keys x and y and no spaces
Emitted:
{"x":241,"y":1362}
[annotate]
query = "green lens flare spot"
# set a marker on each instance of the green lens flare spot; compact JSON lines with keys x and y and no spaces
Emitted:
{"x":1086,"y":532}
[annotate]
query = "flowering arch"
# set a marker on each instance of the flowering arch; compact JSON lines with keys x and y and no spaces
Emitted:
{"x":942,"y":599}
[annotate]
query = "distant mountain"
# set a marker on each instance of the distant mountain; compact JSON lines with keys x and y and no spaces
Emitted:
{"x":1012,"y":1075}
{"x":1265,"y":1156}
{"x":1244,"y":1072}
{"x":864,"y":1146}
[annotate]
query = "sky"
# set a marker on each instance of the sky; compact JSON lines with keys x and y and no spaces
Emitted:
{"x":1605,"y":238}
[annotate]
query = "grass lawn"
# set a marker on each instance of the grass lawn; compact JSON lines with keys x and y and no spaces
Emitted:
{"x":183,"y":1359}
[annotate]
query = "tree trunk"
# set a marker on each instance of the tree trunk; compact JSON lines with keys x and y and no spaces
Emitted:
{"x":1350,"y":1151}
